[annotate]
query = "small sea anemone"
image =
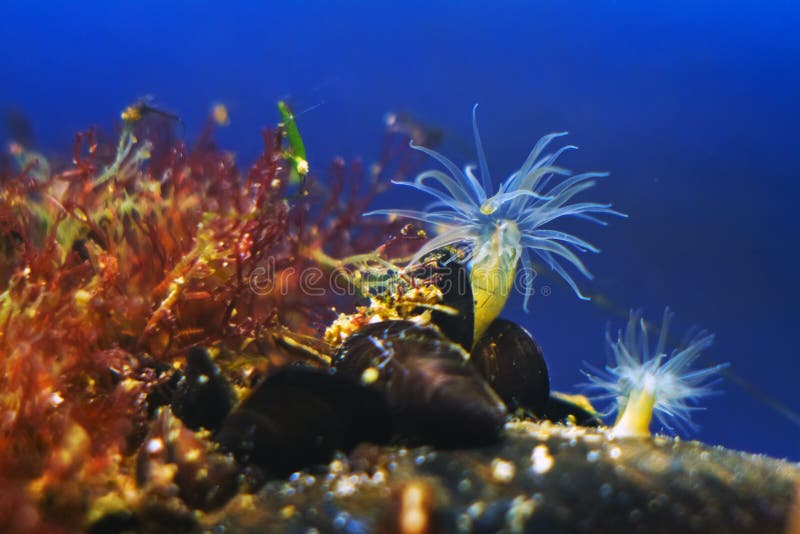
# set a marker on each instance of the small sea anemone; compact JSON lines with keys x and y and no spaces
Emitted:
{"x":643,"y":382}
{"x":500,"y":229}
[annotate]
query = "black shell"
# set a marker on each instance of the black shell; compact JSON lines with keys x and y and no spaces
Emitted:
{"x":434,"y":394}
{"x":299,"y":416}
{"x":202,"y":395}
{"x":563,"y":409}
{"x":511,"y":361}
{"x":453,"y":280}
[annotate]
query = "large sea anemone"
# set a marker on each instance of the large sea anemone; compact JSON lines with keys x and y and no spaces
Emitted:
{"x":501,"y":229}
{"x":643,"y":383}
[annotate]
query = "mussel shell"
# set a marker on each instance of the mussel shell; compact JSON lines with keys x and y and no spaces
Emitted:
{"x":299,"y":416}
{"x":116,"y":522}
{"x":452,"y":278}
{"x":434,"y":394}
{"x":509,"y":358}
{"x":152,"y":516}
{"x":562,"y":408}
{"x":203,"y":397}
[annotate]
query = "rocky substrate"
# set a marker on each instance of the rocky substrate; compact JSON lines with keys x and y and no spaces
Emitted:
{"x":541,"y":477}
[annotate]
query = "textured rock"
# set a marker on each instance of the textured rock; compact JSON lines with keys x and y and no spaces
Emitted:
{"x":540,"y":478}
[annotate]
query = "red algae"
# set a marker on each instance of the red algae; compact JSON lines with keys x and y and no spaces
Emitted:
{"x":121,"y":263}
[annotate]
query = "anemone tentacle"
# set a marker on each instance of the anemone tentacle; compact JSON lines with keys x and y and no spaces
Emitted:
{"x":671,"y":389}
{"x":499,"y":227}
{"x":469,"y":183}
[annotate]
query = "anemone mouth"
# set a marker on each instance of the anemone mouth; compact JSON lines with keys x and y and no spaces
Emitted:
{"x":487,"y":208}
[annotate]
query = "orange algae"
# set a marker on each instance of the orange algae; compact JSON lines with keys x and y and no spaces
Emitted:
{"x":130,"y":257}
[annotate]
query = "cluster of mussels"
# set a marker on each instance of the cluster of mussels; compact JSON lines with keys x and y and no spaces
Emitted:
{"x":392,"y":381}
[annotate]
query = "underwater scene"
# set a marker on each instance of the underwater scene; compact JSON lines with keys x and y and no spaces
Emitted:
{"x":416,"y":267}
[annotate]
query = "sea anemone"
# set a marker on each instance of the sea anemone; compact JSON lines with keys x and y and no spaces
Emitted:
{"x":500,"y":229}
{"x":643,"y":382}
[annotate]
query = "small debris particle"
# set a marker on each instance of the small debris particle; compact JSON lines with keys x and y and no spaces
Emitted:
{"x":219,"y":113}
{"x":55,"y":399}
{"x":541,"y":459}
{"x":341,"y":520}
{"x":82,"y":297}
{"x":369,"y":376}
{"x":502,"y":471}
{"x":605,"y":490}
{"x":336,"y":467}
{"x":414,"y":505}
{"x":163,"y":475}
{"x":592,"y":456}
{"x":464,"y":523}
{"x":302,"y":167}
{"x":155,"y":446}
{"x":592,"y":438}
{"x":192,"y":455}
{"x":521,"y":509}
{"x":344,"y":488}
{"x":476,"y":509}
{"x":379,"y":476}
{"x":288,"y":511}
{"x":614,"y":453}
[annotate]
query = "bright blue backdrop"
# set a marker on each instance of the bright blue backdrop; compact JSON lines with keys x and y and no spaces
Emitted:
{"x":692,"y":106}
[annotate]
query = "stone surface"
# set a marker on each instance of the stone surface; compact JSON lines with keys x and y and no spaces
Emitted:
{"x":540,"y":478}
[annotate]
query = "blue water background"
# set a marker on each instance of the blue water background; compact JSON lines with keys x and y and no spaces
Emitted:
{"x":691,"y":106}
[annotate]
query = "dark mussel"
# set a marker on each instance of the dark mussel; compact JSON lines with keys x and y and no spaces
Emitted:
{"x":202,"y":396}
{"x":298,"y":417}
{"x":152,"y":516}
{"x":511,"y":361}
{"x":116,"y":522}
{"x":434,"y":394}
{"x":507,"y":355}
{"x":452,"y":278}
{"x":574,"y":409}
